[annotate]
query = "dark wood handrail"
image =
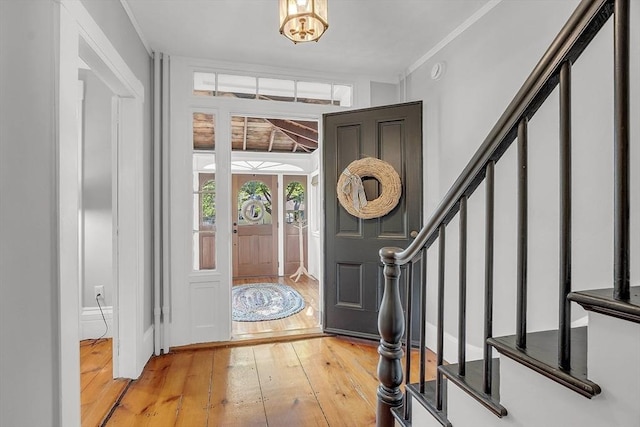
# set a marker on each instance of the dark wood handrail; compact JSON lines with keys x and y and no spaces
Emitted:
{"x":576,"y":34}
{"x":553,"y":68}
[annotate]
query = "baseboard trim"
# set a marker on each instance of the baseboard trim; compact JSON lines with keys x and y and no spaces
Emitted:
{"x":147,"y":349}
{"x":451,"y":345}
{"x":92,"y":325}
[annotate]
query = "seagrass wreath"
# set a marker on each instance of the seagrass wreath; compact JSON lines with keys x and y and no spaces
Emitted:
{"x":351,"y":192}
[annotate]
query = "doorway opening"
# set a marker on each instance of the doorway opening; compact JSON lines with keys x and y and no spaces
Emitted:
{"x":270,"y":258}
{"x":81,"y":37}
{"x":96,"y":266}
{"x":270,"y":244}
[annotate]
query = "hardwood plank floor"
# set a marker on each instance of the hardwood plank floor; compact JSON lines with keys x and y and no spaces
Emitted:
{"x":99,"y":391}
{"x":302,"y":322}
{"x":329,"y":381}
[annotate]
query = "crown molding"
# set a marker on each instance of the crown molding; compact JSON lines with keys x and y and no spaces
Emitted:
{"x":452,"y":35}
{"x":136,"y":26}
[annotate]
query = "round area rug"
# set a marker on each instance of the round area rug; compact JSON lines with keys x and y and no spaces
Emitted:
{"x":265,"y":301}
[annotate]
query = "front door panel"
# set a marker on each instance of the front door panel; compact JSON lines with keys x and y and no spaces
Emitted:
{"x":255,"y":237}
{"x":353,"y":271}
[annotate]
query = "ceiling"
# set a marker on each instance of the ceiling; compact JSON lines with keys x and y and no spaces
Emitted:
{"x":267,"y":135}
{"x":378,"y":39}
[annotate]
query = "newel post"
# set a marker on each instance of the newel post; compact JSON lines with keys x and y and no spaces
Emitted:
{"x":391,"y":328}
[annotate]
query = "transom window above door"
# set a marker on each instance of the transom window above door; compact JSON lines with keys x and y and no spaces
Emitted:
{"x":272,"y":89}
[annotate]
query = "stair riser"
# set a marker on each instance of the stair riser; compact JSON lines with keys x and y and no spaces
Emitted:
{"x":420,"y":417}
{"x":614,"y":363}
{"x":533,"y":400}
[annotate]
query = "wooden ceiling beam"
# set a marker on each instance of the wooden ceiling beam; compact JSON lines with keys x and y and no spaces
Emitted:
{"x":244,"y":140}
{"x":300,"y":141}
{"x":273,"y":136}
{"x":291,"y":127}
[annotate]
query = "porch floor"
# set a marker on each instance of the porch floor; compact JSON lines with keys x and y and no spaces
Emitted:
{"x":305,"y":322}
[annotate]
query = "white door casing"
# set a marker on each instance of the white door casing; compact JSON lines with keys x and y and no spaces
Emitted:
{"x":201,"y":300}
{"x":81,"y":36}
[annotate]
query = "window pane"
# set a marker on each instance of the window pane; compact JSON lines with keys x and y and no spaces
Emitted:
{"x":276,"y":89}
{"x":204,"y":84}
{"x":214,"y":84}
{"x":254,"y":203}
{"x":295,"y":202}
{"x":204,"y":213}
{"x":342,"y":95}
{"x":204,"y":137}
{"x":238,"y":86}
{"x":314,"y":93}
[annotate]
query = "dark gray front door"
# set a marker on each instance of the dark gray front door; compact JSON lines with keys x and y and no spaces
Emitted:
{"x":353,"y":271}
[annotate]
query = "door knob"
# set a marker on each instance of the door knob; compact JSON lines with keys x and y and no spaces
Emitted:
{"x":413,"y":234}
{"x":235,"y":231}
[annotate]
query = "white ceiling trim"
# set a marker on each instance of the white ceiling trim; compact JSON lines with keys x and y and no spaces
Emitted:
{"x":133,"y":20}
{"x":101,"y":51}
{"x":452,"y":35}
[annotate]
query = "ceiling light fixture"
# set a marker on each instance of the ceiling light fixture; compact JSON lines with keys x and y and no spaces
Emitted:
{"x":303,"y":20}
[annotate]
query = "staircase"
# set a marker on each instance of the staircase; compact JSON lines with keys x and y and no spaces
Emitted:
{"x":569,"y":376}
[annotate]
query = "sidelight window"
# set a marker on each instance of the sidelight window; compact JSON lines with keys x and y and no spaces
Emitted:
{"x":204,"y":192}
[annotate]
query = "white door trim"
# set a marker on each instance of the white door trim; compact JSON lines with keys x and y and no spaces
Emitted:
{"x":81,"y":35}
{"x":201,"y":300}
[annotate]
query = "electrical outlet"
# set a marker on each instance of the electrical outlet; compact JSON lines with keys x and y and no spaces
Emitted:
{"x":98,"y":290}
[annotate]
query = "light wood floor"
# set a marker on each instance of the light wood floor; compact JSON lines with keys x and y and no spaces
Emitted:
{"x":302,"y":322}
{"x":99,"y":390}
{"x":328,"y":381}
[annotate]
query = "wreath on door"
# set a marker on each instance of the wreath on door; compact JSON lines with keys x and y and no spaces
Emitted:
{"x":252,"y":211}
{"x":351,"y":193}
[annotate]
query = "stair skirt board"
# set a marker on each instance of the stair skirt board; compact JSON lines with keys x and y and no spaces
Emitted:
{"x":472,"y":383}
{"x":541,"y":355}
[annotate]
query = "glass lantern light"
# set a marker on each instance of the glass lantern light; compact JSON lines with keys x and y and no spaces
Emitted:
{"x":303,"y":20}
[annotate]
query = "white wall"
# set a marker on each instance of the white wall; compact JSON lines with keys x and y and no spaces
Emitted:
{"x":29,"y":331}
{"x":384,"y":93}
{"x":96,"y":191}
{"x":97,"y":217}
{"x":29,"y":287}
{"x":485,"y":66}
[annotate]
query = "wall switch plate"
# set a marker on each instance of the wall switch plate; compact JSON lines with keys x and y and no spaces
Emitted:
{"x":98,"y":290}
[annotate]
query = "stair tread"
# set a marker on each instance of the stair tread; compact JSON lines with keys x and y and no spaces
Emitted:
{"x":602,"y":301}
{"x":427,"y":400}
{"x":472,"y":383}
{"x":541,"y":355}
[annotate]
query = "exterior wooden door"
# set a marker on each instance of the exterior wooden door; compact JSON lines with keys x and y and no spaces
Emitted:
{"x":353,"y":277}
{"x":255,"y":236}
